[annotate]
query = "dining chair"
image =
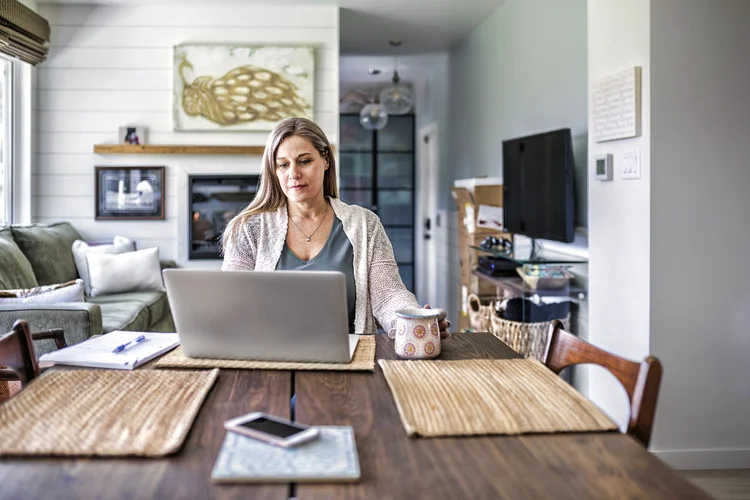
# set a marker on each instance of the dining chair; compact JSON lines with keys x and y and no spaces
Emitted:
{"x":17,"y":354}
{"x":18,"y":361}
{"x":640,"y":380}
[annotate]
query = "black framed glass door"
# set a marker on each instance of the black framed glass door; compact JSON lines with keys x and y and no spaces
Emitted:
{"x":377,"y":171}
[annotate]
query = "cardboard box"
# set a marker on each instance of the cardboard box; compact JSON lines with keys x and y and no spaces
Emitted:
{"x":489,"y":195}
{"x":484,"y":200}
{"x":479,"y":202}
{"x":473,"y":182}
{"x":490,"y":217}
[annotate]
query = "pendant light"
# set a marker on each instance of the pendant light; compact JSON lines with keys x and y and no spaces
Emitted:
{"x":397,"y":98}
{"x":373,"y":116}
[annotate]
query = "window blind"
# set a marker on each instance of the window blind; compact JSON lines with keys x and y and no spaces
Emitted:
{"x":23,"y":33}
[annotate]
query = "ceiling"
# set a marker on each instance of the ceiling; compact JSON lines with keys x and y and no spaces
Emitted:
{"x":422,"y":25}
{"x":367,"y":25}
{"x":354,"y":69}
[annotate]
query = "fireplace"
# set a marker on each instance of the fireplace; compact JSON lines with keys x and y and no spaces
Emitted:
{"x":213,"y":201}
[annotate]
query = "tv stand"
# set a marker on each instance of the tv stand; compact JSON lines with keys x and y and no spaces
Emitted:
{"x":533,"y":253}
{"x":536,"y":250}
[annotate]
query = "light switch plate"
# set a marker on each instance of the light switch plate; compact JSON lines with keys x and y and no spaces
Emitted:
{"x":631,"y":164}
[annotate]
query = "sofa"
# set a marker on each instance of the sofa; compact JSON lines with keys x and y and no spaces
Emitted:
{"x":41,"y":254}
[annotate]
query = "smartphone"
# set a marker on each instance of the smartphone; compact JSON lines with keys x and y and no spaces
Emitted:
{"x":271,"y":429}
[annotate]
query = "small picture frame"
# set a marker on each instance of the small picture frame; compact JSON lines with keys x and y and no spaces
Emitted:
{"x":132,"y":135}
{"x":129,"y":193}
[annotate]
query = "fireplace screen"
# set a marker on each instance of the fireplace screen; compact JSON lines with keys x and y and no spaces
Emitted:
{"x":214,"y":200}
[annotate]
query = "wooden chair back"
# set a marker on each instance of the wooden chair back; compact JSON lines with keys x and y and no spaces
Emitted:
{"x":640,"y":380}
{"x":17,"y":354}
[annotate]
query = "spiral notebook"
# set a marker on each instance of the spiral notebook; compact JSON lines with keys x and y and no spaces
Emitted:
{"x":97,"y":352}
{"x":331,"y":458}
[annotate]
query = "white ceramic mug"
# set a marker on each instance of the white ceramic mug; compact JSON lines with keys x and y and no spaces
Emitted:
{"x":417,"y":333}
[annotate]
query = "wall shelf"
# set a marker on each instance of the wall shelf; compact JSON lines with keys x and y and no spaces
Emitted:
{"x":157,"y":149}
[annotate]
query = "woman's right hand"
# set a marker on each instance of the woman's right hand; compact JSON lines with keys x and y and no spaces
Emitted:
{"x":443,"y":322}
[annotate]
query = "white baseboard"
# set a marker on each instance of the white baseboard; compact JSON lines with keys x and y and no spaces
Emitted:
{"x":705,"y":459}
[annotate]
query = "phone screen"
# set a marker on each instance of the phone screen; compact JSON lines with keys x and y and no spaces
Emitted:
{"x":272,"y":427}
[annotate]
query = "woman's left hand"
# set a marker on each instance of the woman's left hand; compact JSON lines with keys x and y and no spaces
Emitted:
{"x":443,"y":322}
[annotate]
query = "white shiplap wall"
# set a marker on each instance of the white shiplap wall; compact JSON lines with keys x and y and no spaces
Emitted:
{"x":112,"y":65}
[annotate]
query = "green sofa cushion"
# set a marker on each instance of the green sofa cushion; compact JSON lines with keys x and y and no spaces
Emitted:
{"x":124,"y":315}
{"x":15,"y":269}
{"x":49,"y":250}
{"x":165,"y":325}
{"x":155,"y":303}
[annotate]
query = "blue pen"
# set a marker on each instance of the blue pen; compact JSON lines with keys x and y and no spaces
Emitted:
{"x":132,"y":342}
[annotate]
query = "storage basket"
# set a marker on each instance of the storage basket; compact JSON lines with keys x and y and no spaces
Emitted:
{"x":480,"y":314}
{"x":527,"y":339}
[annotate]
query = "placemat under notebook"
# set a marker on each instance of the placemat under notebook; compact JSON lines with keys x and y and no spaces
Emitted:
{"x":104,"y":413}
{"x":487,"y":396}
{"x":363,"y":360}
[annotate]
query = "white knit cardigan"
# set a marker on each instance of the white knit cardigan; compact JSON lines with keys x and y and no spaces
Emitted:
{"x":379,"y":290}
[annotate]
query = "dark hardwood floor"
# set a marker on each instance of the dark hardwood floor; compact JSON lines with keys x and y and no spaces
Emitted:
{"x":722,"y":484}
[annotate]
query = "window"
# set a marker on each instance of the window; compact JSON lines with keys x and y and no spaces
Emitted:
{"x":6,"y":141}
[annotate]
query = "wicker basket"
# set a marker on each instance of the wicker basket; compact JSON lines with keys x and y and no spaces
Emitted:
{"x":4,"y":391}
{"x":527,"y":339}
{"x":480,"y":314}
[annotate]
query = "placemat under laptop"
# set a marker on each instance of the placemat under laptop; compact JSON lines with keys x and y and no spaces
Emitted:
{"x":363,"y":360}
{"x":487,"y":396}
{"x":104,"y":413}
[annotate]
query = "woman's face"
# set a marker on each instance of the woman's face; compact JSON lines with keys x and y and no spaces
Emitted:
{"x":300,"y":169}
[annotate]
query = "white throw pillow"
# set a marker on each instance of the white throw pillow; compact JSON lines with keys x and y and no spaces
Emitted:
{"x":71,"y":291}
{"x":137,"y":271}
{"x":81,"y":248}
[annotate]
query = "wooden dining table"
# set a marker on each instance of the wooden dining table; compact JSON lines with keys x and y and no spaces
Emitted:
{"x":186,"y":474}
{"x":394,"y":466}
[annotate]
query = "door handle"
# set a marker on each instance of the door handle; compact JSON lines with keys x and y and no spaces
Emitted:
{"x":427,"y":224}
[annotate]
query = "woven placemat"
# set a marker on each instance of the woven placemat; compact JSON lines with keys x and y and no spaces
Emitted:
{"x":487,"y":396}
{"x":105,"y":413}
{"x":363,"y":360}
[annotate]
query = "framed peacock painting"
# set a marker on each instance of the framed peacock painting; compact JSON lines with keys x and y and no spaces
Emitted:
{"x":238,"y":88}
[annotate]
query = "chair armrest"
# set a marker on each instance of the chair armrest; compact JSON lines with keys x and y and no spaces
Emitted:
{"x":79,"y":320}
{"x":8,"y":375}
{"x":56,"y":334}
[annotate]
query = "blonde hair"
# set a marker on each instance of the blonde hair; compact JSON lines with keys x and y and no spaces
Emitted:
{"x":270,"y":196}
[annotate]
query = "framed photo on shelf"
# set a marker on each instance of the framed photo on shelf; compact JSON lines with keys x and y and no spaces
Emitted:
{"x":129,"y":193}
{"x":132,"y":135}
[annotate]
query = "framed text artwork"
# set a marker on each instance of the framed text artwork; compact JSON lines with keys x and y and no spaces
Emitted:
{"x":616,"y":105}
{"x":129,"y":193}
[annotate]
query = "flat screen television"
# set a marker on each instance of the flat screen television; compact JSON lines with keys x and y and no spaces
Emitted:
{"x":538,"y":186}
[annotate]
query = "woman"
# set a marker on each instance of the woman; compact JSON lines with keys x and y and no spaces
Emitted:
{"x":296,"y":221}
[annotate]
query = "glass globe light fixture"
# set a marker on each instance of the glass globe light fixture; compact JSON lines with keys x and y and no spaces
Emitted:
{"x":373,"y":116}
{"x":397,"y":98}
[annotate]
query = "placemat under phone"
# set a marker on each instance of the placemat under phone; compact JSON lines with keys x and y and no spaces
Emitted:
{"x":363,"y":360}
{"x":104,"y":413}
{"x":487,"y":396}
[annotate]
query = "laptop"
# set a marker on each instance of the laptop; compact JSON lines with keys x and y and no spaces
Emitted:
{"x":255,"y":315}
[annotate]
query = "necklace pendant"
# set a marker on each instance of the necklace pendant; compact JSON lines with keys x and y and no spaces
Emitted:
{"x":308,"y":240}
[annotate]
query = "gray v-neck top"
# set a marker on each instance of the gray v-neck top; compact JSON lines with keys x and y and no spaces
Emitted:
{"x":337,"y":255}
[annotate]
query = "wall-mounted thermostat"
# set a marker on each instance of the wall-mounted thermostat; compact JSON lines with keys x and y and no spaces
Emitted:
{"x":604,"y":167}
